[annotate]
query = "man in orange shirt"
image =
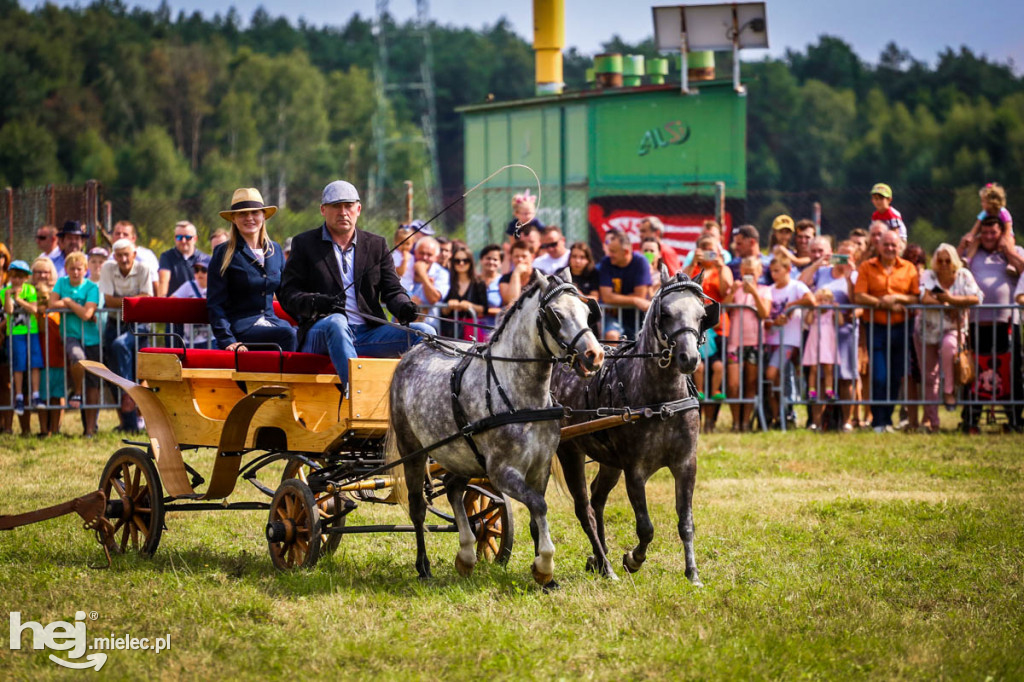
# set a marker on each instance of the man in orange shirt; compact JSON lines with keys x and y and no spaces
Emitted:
{"x":887,"y":283}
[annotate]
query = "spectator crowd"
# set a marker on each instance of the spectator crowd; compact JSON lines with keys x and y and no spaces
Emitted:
{"x":851,"y":327}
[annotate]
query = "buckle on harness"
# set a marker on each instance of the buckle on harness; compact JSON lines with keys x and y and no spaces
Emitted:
{"x":666,"y":355}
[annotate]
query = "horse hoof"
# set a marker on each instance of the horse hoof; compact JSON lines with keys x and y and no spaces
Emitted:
{"x":464,"y":569}
{"x":542,"y":578}
{"x":630,"y":564}
{"x":592,"y":564}
{"x":550,"y":587}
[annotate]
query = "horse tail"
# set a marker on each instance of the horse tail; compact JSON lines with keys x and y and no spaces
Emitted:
{"x":559,"y":475}
{"x":399,"y":490}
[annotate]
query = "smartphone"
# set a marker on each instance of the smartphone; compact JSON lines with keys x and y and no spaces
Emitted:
{"x":840,"y":259}
{"x":749,"y":279}
{"x":710,"y":255}
{"x":937,"y":289}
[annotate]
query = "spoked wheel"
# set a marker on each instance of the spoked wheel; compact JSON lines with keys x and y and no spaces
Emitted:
{"x":293,"y":531}
{"x":493,"y":523}
{"x":300,"y":470}
{"x":135,"y":500}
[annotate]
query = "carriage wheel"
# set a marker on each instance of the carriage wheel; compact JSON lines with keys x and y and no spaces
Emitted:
{"x":135,"y":500}
{"x":494,"y":528}
{"x":293,"y":531}
{"x":300,"y":470}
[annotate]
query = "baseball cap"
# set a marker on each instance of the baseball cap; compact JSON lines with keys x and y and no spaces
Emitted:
{"x":202,"y":260}
{"x":21,"y":266}
{"x":883,"y":189}
{"x":99,"y":251}
{"x":748,"y":231}
{"x":339,"y":191}
{"x":782,"y":222}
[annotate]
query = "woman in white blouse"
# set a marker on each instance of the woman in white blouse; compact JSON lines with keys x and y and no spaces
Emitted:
{"x":951,"y":285}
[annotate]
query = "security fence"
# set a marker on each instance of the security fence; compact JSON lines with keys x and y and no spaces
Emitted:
{"x":887,"y":364}
{"x":872,"y":365}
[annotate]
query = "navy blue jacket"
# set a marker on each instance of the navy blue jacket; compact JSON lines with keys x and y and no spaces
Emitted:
{"x":236,"y":299}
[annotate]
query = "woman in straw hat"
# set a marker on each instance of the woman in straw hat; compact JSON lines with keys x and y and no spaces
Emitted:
{"x":245,"y":272}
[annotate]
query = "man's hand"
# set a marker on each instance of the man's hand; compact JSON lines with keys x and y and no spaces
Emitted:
{"x":420,"y":269}
{"x":407,"y":313}
{"x":324,"y":304}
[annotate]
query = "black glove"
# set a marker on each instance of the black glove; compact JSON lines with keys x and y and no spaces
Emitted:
{"x":323,"y":304}
{"x":407,"y":313}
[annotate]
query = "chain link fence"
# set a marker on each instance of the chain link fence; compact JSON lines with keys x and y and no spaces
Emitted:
{"x":932,"y":215}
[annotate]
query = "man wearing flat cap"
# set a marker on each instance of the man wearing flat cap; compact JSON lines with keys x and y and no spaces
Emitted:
{"x":334,"y":282}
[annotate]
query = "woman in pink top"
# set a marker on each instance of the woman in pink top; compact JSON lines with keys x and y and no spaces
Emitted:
{"x":744,"y":340}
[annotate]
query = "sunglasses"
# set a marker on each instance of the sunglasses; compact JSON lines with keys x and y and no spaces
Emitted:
{"x":184,"y":237}
{"x":199,"y":268}
{"x":461,"y":261}
{"x":549,"y":245}
{"x":41,"y":237}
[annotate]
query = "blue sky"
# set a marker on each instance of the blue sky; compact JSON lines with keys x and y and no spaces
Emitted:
{"x":924,"y":27}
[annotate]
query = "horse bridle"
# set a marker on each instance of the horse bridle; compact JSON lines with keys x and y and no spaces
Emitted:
{"x":548,"y":320}
{"x":712,"y":313}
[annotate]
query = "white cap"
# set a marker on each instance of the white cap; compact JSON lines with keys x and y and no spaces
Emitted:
{"x":339,"y":191}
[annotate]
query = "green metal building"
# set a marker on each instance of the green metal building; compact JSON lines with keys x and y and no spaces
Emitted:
{"x":608,"y":158}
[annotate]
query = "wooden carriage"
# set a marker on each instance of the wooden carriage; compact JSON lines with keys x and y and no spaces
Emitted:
{"x":256,"y":408}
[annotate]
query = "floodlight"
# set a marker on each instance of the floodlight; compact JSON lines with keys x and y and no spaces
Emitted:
{"x":732,"y":26}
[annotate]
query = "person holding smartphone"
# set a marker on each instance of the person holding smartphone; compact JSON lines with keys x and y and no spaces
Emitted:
{"x":717,"y":285}
{"x":938,"y":331}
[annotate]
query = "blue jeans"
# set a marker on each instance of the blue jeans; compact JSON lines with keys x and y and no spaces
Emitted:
{"x":332,"y":335}
{"x":282,"y":333}
{"x":888,"y":367}
{"x":121,"y":348}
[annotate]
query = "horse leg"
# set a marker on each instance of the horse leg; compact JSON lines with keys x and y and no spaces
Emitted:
{"x":605,"y":481}
{"x":465,"y":558}
{"x":636,"y":489}
{"x":415,"y":477}
{"x":511,"y":482}
{"x":573,"y":468}
{"x":685,"y":475}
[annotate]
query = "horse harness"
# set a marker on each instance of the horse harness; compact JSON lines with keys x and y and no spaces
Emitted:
{"x":547,"y":321}
{"x":712,"y":313}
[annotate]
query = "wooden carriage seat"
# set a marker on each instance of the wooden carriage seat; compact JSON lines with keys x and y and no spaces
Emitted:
{"x":193,"y":311}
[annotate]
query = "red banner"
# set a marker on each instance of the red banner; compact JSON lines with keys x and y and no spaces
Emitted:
{"x":681,"y":231}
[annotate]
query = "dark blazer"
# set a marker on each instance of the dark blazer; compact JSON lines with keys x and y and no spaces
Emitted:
{"x":313,"y":269}
{"x":236,"y":299}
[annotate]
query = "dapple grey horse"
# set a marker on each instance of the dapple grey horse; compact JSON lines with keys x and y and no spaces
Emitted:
{"x":670,"y":336}
{"x":435,"y":394}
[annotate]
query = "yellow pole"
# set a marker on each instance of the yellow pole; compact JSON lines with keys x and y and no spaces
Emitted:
{"x":548,"y":41}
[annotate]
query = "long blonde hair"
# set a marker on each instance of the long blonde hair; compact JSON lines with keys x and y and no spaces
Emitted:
{"x":232,"y":243}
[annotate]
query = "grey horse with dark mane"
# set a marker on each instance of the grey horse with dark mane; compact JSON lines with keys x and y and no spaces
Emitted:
{"x":656,"y":378}
{"x":492,"y":404}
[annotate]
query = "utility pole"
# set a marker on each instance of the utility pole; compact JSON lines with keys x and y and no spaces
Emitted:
{"x":428,"y":118}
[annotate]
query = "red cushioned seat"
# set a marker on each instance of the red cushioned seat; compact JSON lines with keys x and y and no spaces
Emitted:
{"x":176,"y":310}
{"x":250,"y":361}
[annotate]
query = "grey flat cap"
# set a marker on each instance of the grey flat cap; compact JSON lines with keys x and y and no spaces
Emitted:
{"x":339,"y":191}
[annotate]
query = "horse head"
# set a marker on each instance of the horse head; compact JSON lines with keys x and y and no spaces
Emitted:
{"x":679,"y":319}
{"x":564,"y":317}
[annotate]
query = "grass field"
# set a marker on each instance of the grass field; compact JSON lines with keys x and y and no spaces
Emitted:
{"x":832,"y":557}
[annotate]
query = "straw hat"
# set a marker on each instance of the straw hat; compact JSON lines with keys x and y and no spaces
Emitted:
{"x":247,"y":199}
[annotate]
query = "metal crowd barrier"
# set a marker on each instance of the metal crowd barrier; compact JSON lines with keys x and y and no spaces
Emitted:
{"x":197,"y":336}
{"x":993,"y":333}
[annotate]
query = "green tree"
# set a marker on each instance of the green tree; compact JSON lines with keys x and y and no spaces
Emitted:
{"x":28,"y":155}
